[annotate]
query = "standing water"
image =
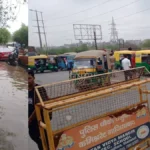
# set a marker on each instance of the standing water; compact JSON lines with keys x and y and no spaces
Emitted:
{"x":13,"y":108}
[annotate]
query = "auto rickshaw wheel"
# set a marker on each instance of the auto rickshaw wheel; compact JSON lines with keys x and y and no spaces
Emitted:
{"x":42,"y":71}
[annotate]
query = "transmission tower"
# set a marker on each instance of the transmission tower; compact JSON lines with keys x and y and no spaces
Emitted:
{"x":114,"y":33}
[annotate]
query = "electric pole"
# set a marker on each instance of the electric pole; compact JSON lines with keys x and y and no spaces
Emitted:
{"x":44,"y":29}
{"x":95,"y":40}
{"x":38,"y":26}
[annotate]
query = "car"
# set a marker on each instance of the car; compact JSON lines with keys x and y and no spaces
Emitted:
{"x":5,"y":52}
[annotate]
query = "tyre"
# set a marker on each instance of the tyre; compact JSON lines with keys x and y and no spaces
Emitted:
{"x":42,"y":71}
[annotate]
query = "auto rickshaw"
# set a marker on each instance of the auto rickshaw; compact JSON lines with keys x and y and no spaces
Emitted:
{"x":41,"y":63}
{"x":119,"y":56}
{"x":65,"y":61}
{"x":143,"y":59}
{"x":90,"y":62}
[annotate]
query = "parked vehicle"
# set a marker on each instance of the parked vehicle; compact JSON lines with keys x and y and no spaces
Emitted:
{"x":40,"y":63}
{"x":119,"y":56}
{"x":5,"y":52}
{"x":12,"y":58}
{"x":23,"y":57}
{"x":143,"y":59}
{"x":65,"y":61}
{"x":90,"y":62}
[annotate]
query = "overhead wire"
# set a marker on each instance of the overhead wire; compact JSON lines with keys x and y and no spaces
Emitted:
{"x":84,"y":10}
{"x":97,"y":15}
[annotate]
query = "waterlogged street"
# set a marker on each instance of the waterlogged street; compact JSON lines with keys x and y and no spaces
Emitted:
{"x":13,"y":108}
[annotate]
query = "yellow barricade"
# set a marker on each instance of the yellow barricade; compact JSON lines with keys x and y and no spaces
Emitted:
{"x":102,"y":118}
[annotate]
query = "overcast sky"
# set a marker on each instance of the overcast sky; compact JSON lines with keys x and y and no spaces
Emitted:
{"x":131,"y":18}
{"x":22,"y":17}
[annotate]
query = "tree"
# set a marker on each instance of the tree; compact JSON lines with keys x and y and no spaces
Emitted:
{"x":146,"y":43}
{"x":4,"y":36}
{"x":9,"y":10}
{"x":21,"y":35}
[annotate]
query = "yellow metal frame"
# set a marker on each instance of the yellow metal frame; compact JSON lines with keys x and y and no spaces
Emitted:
{"x":67,"y":101}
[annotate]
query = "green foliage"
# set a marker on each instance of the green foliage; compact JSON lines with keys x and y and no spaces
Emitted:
{"x":146,"y":43}
{"x":62,"y":50}
{"x":4,"y":36}
{"x":21,"y":35}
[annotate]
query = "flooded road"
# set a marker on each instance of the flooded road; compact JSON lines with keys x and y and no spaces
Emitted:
{"x":13,"y":108}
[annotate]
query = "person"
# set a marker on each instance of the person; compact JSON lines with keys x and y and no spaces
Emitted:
{"x":126,"y":65}
{"x":133,"y":61}
{"x":66,"y":63}
{"x":112,"y":61}
{"x":32,"y":101}
{"x":105,"y":62}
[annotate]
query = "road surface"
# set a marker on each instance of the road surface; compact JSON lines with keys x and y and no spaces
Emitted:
{"x":13,"y":108}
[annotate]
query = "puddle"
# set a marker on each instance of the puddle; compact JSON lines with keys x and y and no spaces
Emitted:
{"x":13,"y":108}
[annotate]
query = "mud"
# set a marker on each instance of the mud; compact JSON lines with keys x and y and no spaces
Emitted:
{"x":13,"y":108}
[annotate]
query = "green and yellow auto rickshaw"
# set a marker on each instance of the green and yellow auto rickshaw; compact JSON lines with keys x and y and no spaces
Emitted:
{"x":90,"y":63}
{"x":143,"y":59}
{"x":119,"y":56}
{"x":40,"y":63}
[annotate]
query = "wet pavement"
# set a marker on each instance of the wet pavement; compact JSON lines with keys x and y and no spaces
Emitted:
{"x":13,"y":108}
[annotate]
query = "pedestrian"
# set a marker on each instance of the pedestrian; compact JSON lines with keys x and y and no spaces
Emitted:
{"x":112,"y":63}
{"x":105,"y":63}
{"x":32,"y":101}
{"x":126,"y":65}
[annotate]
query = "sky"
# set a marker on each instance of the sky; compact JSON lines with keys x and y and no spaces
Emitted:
{"x":22,"y":17}
{"x":131,"y":18}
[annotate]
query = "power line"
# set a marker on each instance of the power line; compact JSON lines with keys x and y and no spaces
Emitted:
{"x":97,"y":15}
{"x":84,"y":10}
{"x":118,"y":18}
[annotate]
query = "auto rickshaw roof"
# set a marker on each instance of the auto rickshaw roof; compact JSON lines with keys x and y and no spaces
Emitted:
{"x":52,"y":55}
{"x":38,"y":57}
{"x":91,"y":54}
{"x":64,"y":55}
{"x":70,"y":53}
{"x":143,"y":52}
{"x":125,"y":52}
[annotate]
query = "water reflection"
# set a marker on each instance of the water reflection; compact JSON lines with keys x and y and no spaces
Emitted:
{"x":18,"y":75}
{"x":5,"y":140}
{"x":13,"y":108}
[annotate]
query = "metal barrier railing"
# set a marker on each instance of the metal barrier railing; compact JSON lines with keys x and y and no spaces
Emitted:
{"x":126,"y":103}
{"x":75,"y":86}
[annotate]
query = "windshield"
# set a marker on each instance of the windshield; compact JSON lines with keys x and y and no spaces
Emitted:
{"x":31,"y":53}
{"x":84,"y":63}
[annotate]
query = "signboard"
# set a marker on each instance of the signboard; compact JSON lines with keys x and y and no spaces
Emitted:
{"x":120,"y":131}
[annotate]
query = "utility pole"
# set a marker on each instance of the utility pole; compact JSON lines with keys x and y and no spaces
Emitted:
{"x":95,"y":40}
{"x":44,"y":29}
{"x":38,"y":26}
